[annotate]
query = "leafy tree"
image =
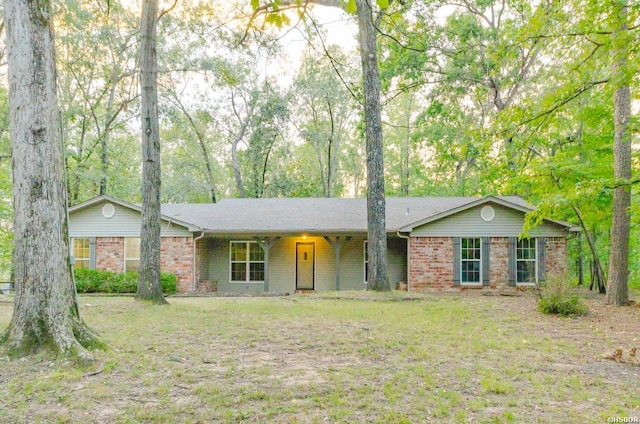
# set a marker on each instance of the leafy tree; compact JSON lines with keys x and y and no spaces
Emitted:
{"x":264,"y":132}
{"x":96,"y":60}
{"x":46,"y":312}
{"x":323,"y":113}
{"x":6,"y":211}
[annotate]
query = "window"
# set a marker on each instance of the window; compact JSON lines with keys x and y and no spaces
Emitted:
{"x":366,"y":261}
{"x":526,"y":261}
{"x":81,"y":252}
{"x":131,"y":254}
{"x":247,"y":262}
{"x":470,"y":261}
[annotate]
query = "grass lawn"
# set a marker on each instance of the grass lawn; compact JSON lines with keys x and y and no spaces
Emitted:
{"x":307,"y":359}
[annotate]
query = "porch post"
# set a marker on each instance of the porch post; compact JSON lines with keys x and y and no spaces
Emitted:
{"x":266,"y":244}
{"x":337,"y":245}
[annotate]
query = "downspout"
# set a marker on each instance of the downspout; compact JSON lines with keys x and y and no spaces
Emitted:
{"x":195,"y":284}
{"x":408,"y":258}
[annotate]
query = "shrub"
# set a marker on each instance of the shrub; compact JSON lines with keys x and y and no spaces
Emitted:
{"x":99,"y":281}
{"x":556,"y":298}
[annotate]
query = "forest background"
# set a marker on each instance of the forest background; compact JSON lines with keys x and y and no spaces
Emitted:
{"x":479,"y":97}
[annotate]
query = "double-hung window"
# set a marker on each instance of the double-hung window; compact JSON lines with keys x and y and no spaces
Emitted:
{"x":526,"y":261}
{"x":246,"y":262}
{"x":131,"y":254}
{"x":470,"y":261}
{"x":366,"y":261}
{"x":81,"y":252}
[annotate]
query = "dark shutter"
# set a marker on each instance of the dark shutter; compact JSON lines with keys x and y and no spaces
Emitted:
{"x":92,"y":252}
{"x":456,"y":261}
{"x":486,"y":241}
{"x":542,"y":258}
{"x":512,"y":260}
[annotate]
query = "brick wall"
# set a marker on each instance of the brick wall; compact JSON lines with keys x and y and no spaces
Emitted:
{"x":431,"y":263}
{"x":176,"y":257}
{"x":557,"y":262}
{"x":110,"y":253}
{"x":499,"y":262}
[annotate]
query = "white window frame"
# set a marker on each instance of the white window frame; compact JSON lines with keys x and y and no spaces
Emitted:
{"x":520,"y":248}
{"x":77,"y":259}
{"x":247,"y":261}
{"x":478,"y":260}
{"x":365,"y":257}
{"x":131,"y":258}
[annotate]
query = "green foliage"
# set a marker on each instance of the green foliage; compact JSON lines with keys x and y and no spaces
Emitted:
{"x":556,"y":298}
{"x":6,"y":210}
{"x":99,"y":281}
{"x":562,"y":305}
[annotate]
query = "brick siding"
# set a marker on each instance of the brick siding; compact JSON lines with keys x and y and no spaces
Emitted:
{"x":176,"y":257}
{"x":499,"y":262}
{"x":556,"y":253}
{"x":110,"y":253}
{"x":431,"y":262}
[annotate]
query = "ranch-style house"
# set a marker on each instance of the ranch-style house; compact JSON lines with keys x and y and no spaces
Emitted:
{"x":286,"y":245}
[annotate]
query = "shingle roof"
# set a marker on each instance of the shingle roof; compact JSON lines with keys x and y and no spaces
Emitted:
{"x":319,"y":215}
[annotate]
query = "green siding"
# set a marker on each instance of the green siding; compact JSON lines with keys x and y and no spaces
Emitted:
{"x":468,"y":223}
{"x":89,"y":222}
{"x":282,"y":266}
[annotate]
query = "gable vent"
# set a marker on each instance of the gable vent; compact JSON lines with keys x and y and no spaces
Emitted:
{"x":487,"y":213}
{"x":108,"y":210}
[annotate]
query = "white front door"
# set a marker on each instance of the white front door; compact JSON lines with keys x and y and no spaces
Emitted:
{"x":305,"y":266}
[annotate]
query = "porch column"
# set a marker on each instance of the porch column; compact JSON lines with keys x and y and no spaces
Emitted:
{"x":337,"y":245}
{"x":266,"y":244}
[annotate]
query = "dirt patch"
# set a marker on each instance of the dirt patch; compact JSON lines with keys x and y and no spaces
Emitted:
{"x":438,"y":358}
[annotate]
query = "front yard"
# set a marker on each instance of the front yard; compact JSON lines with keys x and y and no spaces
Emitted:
{"x":363,"y":358}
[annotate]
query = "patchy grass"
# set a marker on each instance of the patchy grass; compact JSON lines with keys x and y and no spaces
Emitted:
{"x":335,"y":358}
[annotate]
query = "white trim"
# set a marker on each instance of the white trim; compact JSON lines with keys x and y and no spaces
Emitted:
{"x":108,"y":210}
{"x":74,"y":258}
{"x":247,"y":279}
{"x":125,"y":257}
{"x":487,"y":213}
{"x":295,"y":262}
{"x":471,"y":283}
{"x":534,"y":260}
{"x":365,"y":261}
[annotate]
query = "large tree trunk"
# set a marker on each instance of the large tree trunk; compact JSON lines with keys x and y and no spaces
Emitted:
{"x":377,"y":235}
{"x":45,"y":311}
{"x":149,"y":287}
{"x":618,"y":291}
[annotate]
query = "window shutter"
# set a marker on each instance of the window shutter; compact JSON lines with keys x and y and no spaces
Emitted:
{"x":541,"y":259}
{"x":456,"y":261}
{"x":486,"y":241}
{"x":512,"y":260}
{"x":92,"y":253}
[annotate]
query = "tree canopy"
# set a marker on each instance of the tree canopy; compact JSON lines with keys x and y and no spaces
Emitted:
{"x":477,"y":97}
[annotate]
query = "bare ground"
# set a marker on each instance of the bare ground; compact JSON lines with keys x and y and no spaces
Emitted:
{"x":463,"y":358}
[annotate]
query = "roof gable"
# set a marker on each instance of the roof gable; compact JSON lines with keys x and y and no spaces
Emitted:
{"x":509,"y":202}
{"x":316,"y":215}
{"x":137,"y":208}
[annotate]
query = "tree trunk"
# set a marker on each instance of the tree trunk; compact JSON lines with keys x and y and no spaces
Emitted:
{"x":618,"y":290}
{"x":149,"y":287}
{"x":104,"y":142}
{"x":377,"y":273}
{"x":597,"y":271}
{"x":45,"y":313}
